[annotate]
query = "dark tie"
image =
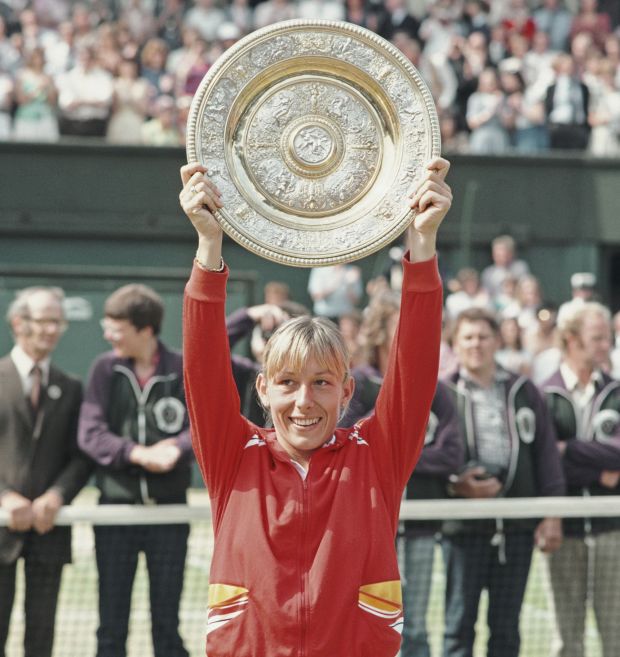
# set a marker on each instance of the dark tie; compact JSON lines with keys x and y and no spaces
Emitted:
{"x":35,"y":390}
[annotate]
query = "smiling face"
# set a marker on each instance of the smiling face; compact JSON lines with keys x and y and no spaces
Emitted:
{"x":305,"y":384}
{"x":125,"y":339}
{"x":305,"y":406}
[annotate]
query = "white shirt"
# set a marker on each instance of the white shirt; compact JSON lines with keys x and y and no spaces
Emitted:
{"x":24,"y":365}
{"x":582,"y":396}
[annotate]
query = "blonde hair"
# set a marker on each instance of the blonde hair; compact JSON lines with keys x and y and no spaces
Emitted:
{"x":302,"y":338}
{"x":572,"y":316}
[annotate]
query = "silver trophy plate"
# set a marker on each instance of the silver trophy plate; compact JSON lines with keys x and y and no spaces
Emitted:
{"x":314,"y":132}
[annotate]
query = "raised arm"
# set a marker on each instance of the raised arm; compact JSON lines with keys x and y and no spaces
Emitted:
{"x":217,"y":428}
{"x":398,"y":427}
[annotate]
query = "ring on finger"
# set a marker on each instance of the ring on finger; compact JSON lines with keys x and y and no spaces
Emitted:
{"x":193,"y":189}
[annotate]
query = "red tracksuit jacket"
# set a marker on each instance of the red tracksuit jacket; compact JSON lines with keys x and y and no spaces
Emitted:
{"x":307,"y":568}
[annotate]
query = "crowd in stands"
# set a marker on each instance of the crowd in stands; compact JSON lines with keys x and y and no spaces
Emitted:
{"x":521,"y":75}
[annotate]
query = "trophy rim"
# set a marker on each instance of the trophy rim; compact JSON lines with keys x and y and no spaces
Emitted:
{"x":281,"y":255}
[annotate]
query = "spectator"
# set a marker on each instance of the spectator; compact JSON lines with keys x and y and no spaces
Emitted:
{"x":60,"y":54}
{"x":436,"y":71}
{"x":467,"y":59}
{"x":242,"y":15}
{"x":543,"y":344}
{"x":441,"y":455}
{"x":397,"y":18}
{"x":476,"y":18}
{"x":524,"y":114}
{"x":469,"y":295}
{"x":40,"y":466}
{"x":134,"y":425}
{"x":582,"y":49}
{"x":194,"y":67}
{"x":511,"y":355}
{"x":258,"y":323}
{"x":583,"y":288}
{"x":332,"y":10}
{"x":35,"y":93}
{"x":356,"y":12}
{"x":508,"y":458}
{"x":131,"y":100}
{"x":162,"y":129}
{"x":51,"y":12}
{"x":153,"y":67}
{"x":276,"y":292}
{"x":555,"y":20}
{"x":138,"y":19}
{"x":604,"y":116}
{"x":586,"y":414}
{"x":83,"y":21}
{"x":205,"y":17}
{"x":517,"y":20}
{"x":453,"y":140}
{"x":6,"y":104}
{"x":448,"y":360}
{"x":484,"y":111}
{"x":170,"y":23}
{"x":183,"y":106}
{"x":180,"y":61}
{"x":567,"y":106}
{"x":350,"y":325}
{"x":505,"y":264}
{"x":32,"y":34}
{"x":85,"y":96}
{"x":439,"y":28}
{"x":273,"y":11}
{"x":335,"y":290}
{"x":9,"y":55}
{"x":537,"y":65}
{"x":108,"y":48}
{"x":529,"y":299}
{"x":591,"y":21}
{"x":498,"y":44}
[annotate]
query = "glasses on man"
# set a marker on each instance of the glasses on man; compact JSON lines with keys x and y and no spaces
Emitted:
{"x":110,"y":330}
{"x":48,"y":322}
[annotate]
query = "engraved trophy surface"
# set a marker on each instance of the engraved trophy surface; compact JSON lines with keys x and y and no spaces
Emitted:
{"x":314,"y":132}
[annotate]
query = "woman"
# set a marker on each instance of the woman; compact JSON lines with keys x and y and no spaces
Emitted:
{"x":131,"y":100}
{"x":511,"y":355}
{"x":484,"y":116}
{"x":35,"y":117}
{"x":305,"y":515}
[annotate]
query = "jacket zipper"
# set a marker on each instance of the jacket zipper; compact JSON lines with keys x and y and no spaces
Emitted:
{"x":303,"y":566}
{"x":142,"y":395}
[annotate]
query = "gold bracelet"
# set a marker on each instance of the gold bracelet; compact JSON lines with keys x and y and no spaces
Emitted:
{"x":204,"y":267}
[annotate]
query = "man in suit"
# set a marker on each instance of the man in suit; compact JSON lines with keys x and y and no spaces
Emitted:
{"x":40,"y":466}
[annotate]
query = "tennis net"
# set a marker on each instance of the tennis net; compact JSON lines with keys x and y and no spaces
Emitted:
{"x":439,"y":523}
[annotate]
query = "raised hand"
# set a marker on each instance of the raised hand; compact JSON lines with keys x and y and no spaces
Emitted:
{"x":432,"y":200}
